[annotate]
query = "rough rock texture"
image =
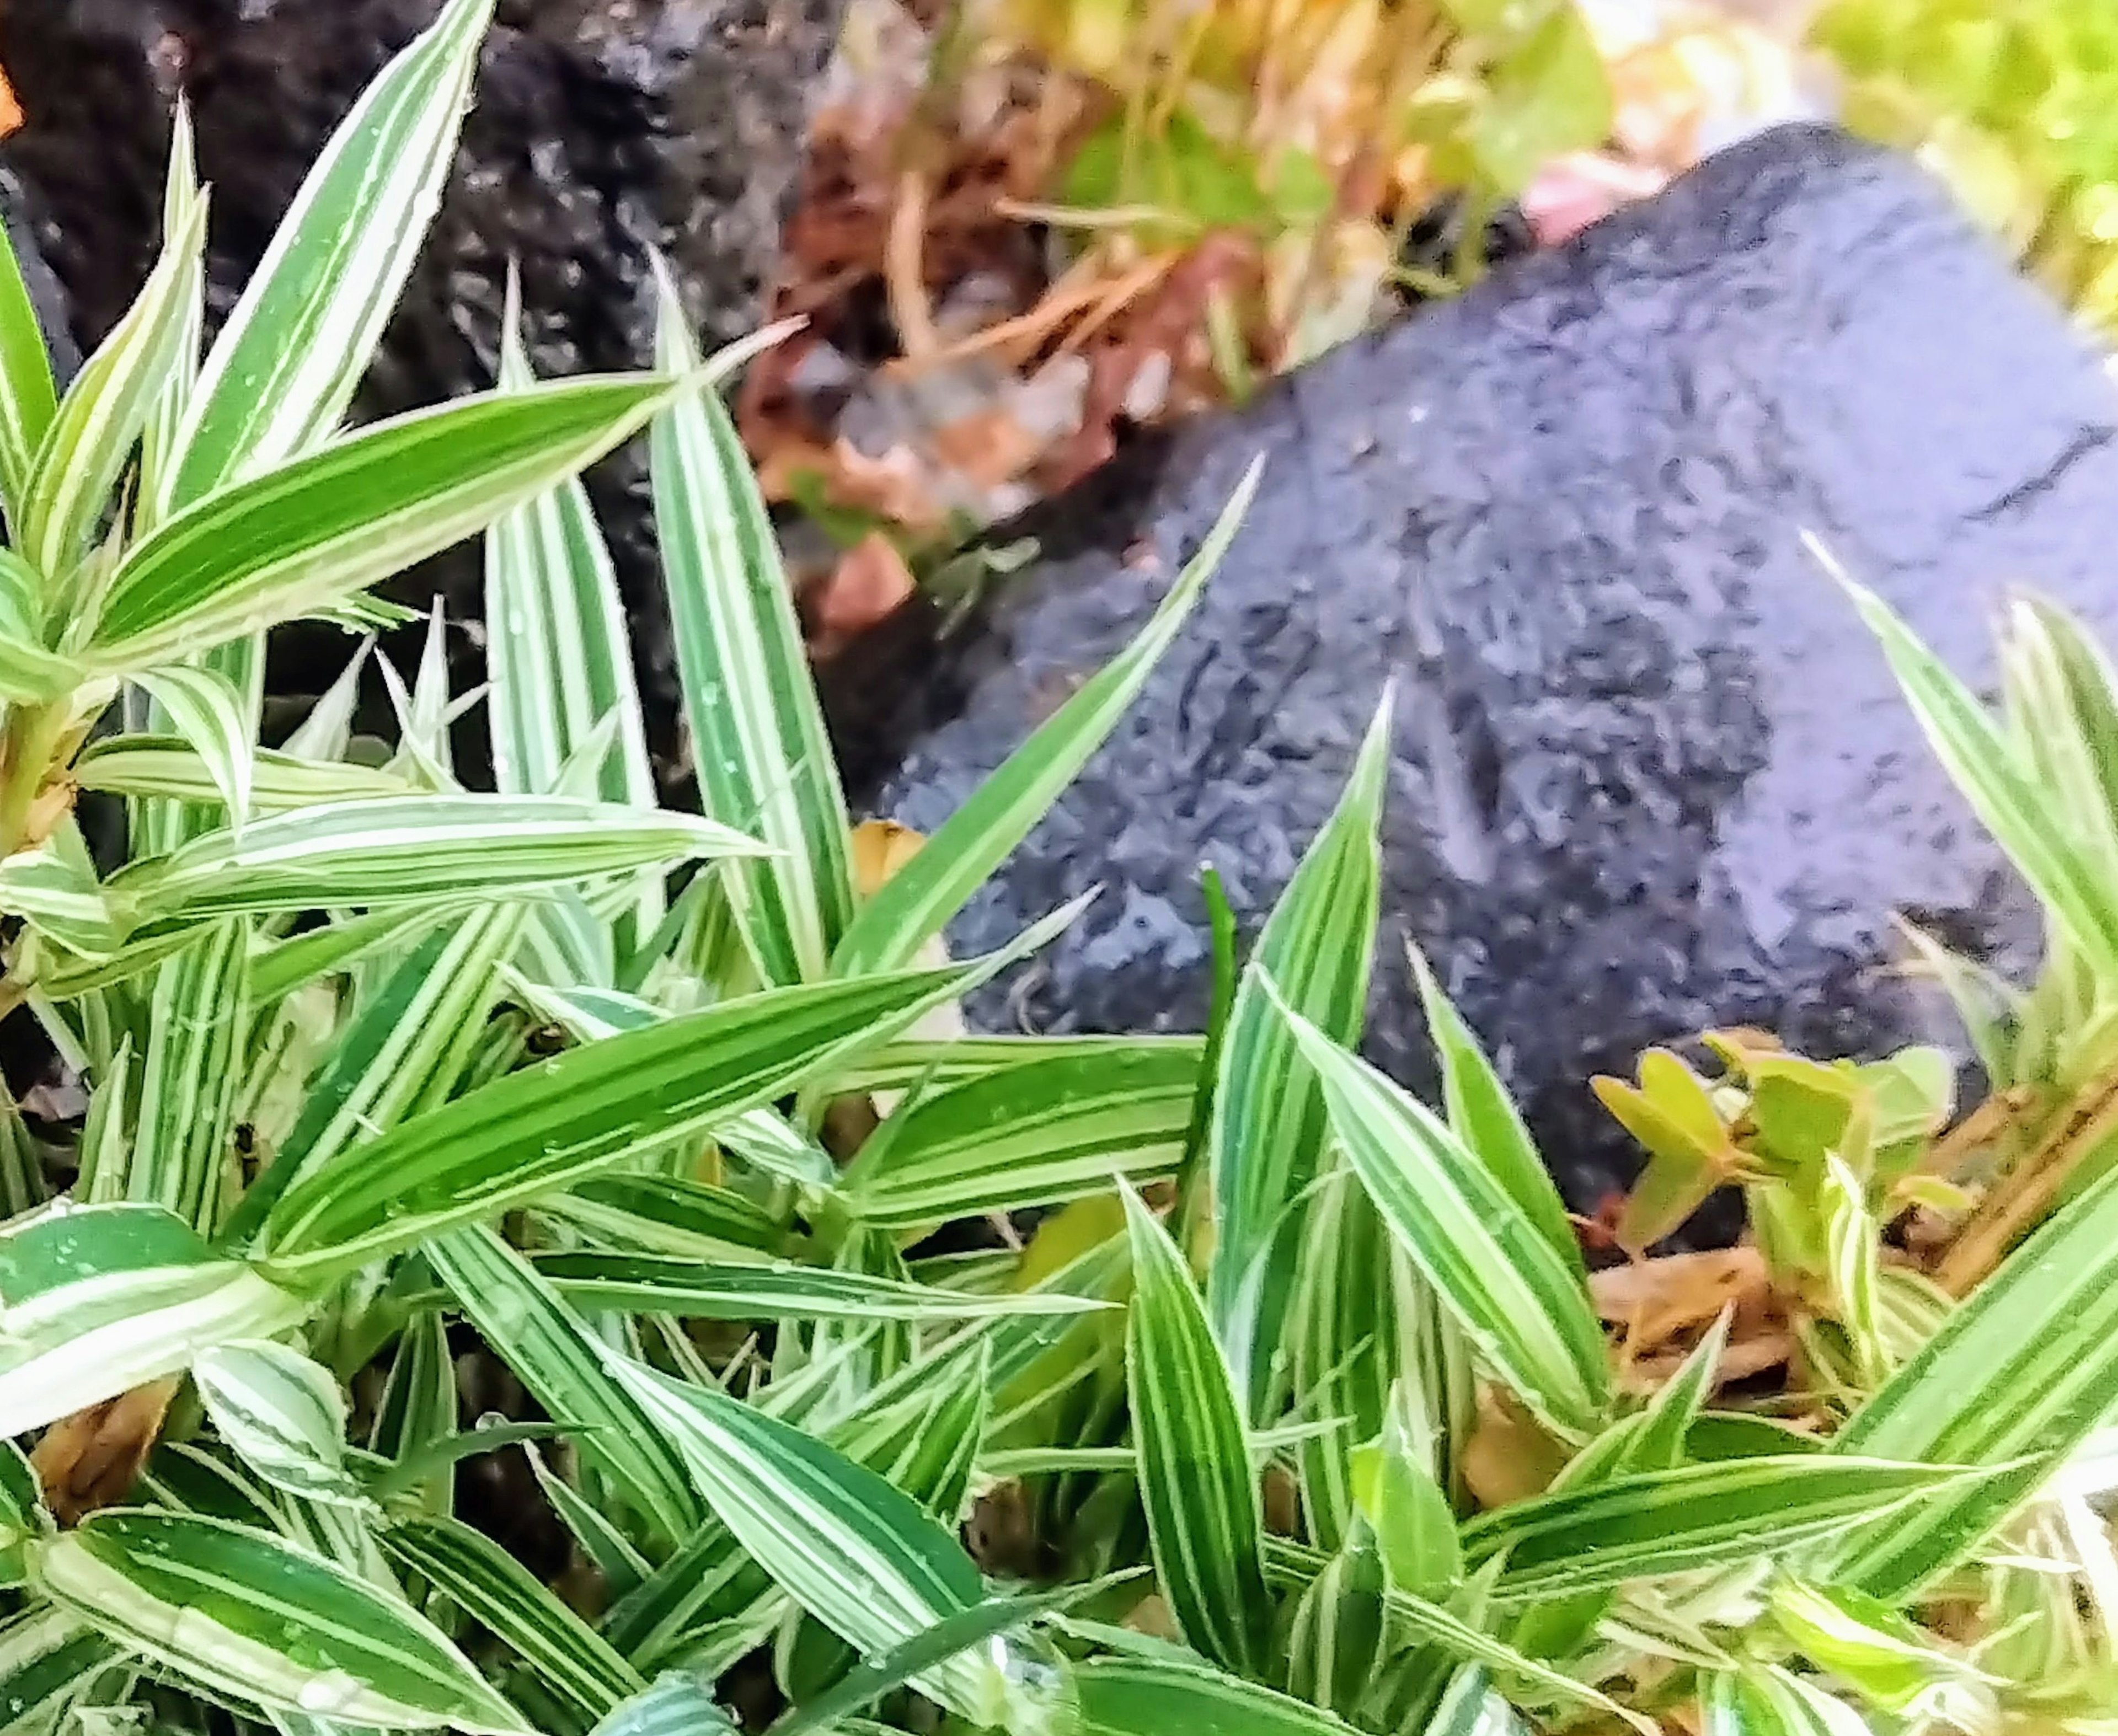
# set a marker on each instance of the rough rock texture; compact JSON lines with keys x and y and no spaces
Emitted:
{"x":1651,"y":774}
{"x":602,"y":126}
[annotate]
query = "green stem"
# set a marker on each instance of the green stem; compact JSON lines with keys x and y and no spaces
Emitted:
{"x":32,"y":737}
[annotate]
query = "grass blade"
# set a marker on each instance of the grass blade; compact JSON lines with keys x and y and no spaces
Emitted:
{"x":1197,"y":1479}
{"x":29,"y":398}
{"x":917,"y":902}
{"x":248,"y":1614}
{"x":288,"y":361}
{"x":1522,"y":1308}
{"x":764,"y":763}
{"x":183,"y":1155}
{"x":642,"y":1284}
{"x":323,"y":528}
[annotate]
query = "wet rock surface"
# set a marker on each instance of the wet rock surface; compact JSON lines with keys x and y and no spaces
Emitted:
{"x":1650,"y":773}
{"x":600,"y":129}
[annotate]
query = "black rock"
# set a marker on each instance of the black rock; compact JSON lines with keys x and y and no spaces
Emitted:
{"x":599,"y":130}
{"x":1651,"y":774}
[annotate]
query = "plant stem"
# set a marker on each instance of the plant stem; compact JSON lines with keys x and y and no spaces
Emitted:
{"x":25,"y":763}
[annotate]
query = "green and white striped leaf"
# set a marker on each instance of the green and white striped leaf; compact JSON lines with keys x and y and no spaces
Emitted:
{"x":55,"y":889}
{"x":247,"y":1613}
{"x":183,"y":1152}
{"x":29,"y":675}
{"x":402,"y":1054}
{"x":1268,"y":1125}
{"x":288,"y":361}
{"x":559,"y":1358}
{"x":1196,"y":1480}
{"x":553,"y":1124}
{"x":1483,"y":1116}
{"x":568,"y":1656}
{"x":417,"y":1417}
{"x":646,"y":1284}
{"x":283,"y":1415}
{"x":2018,"y":1376}
{"x":679,"y":1704}
{"x":97,"y":1299}
{"x":1047,"y":1132}
{"x":853,"y":1549}
{"x":764,"y":763}
{"x":207,"y":712}
{"x":917,"y":902}
{"x":912,"y":1063}
{"x":1336,"y":1647}
{"x":1890,"y":1662}
{"x":29,"y":398}
{"x":91,"y":439}
{"x":1764,"y":1700}
{"x":1987,"y":766}
{"x":48,"y":1657}
{"x":1144,"y":1697}
{"x":666,"y":1215}
{"x":164,"y":766}
{"x":398,"y":850}
{"x":181,"y":195}
{"x":324,"y":528}
{"x":1522,"y":1306}
{"x":1654,"y":1524}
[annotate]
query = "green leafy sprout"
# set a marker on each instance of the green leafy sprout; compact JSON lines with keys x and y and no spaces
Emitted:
{"x":602,"y":1144}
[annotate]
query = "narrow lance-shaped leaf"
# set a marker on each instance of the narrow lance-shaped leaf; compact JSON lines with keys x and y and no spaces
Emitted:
{"x":503,"y":1596}
{"x":853,"y":1549}
{"x":47,"y":1656}
{"x":917,"y":902}
{"x":1268,"y":1127}
{"x":91,"y":439}
{"x":205,"y":708}
{"x":28,"y":397}
{"x":765,"y":762}
{"x":1143,"y":1696}
{"x":285,"y":1416}
{"x":99,"y":1300}
{"x":249,"y":1615}
{"x":1049,"y":1131}
{"x":322,"y":528}
{"x":2015,"y":1377}
{"x":1523,"y":1307}
{"x":184,"y":1154}
{"x":29,"y":675}
{"x":563,"y":1119}
{"x":158,"y":445}
{"x":402,"y":850}
{"x":1197,"y":1479}
{"x":292,"y":354}
{"x":556,"y":1356}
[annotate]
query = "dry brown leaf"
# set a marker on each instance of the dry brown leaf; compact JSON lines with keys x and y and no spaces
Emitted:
{"x":11,"y":110}
{"x":1655,"y":1300}
{"x":880,"y":848}
{"x":869,"y":583}
{"x":91,"y":1459}
{"x":1509,"y":1457}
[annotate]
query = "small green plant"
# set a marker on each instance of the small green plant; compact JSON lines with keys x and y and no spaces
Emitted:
{"x":392,"y":1084}
{"x":2009,"y":99}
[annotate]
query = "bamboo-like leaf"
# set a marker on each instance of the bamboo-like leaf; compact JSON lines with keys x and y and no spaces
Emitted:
{"x":183,"y":1154}
{"x":410,"y":849}
{"x":1986,"y":767}
{"x":324,"y":528}
{"x":91,"y":439}
{"x":181,"y":195}
{"x":645,"y":1284}
{"x":1196,"y":1480}
{"x":679,"y":1704}
{"x":417,"y":1415}
{"x":247,"y":1613}
{"x":1763,"y":1700}
{"x":917,"y":902}
{"x":1336,"y":1647}
{"x":55,"y":889}
{"x":28,"y":397}
{"x":666,"y":1214}
{"x":207,"y":712}
{"x":1484,"y":1117}
{"x":913,"y":1063}
{"x":765,"y":762}
{"x":98,"y":1299}
{"x":288,"y":361}
{"x":283,"y":1415}
{"x":1143,"y":1696}
{"x":30,"y":674}
{"x":164,"y":766}
{"x":856,"y":1552}
{"x":1049,"y":1131}
{"x":1653,"y":1524}
{"x":550,"y":1125}
{"x":486,"y":1583}
{"x":403,"y":1053}
{"x":48,"y":1655}
{"x":2015,"y":1379}
{"x":554,"y":1353}
{"x":1523,"y":1307}
{"x":1268,"y":1123}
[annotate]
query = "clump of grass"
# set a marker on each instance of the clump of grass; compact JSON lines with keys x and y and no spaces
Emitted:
{"x":1297,"y":1413}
